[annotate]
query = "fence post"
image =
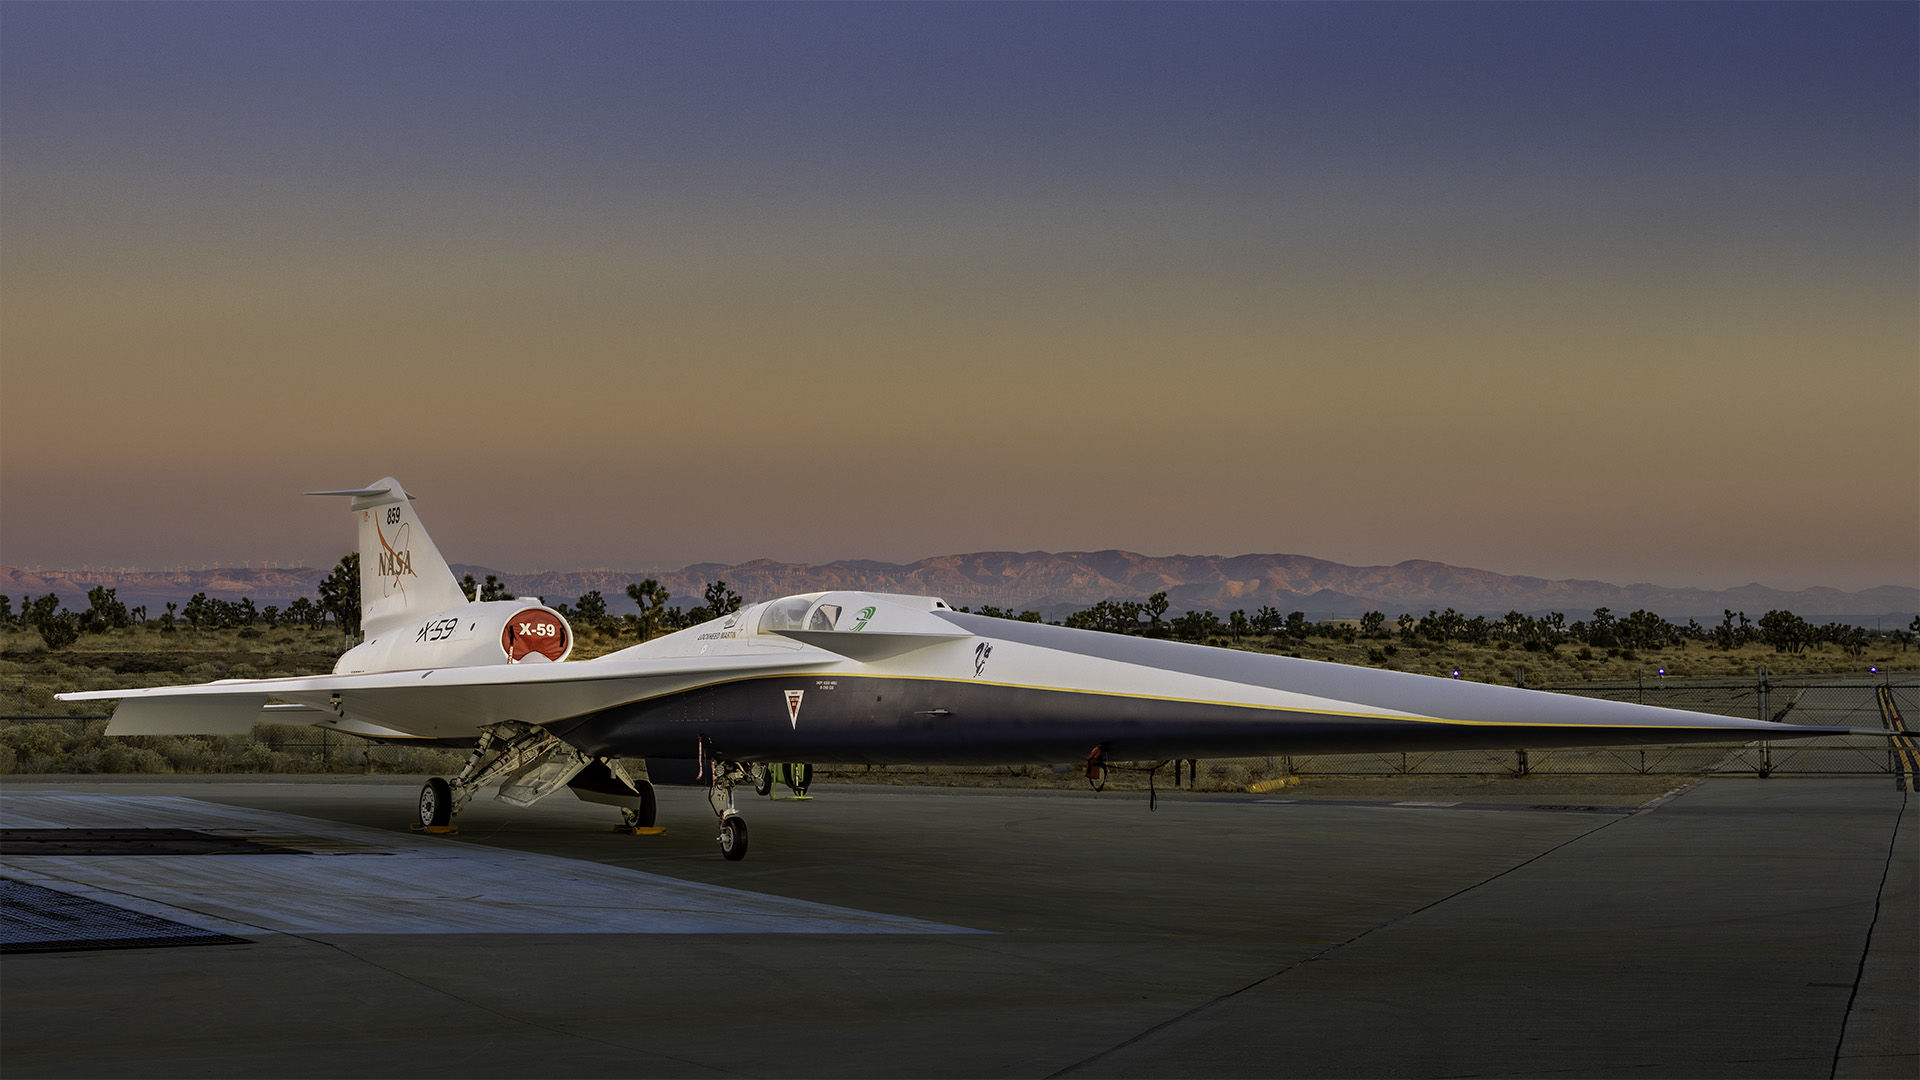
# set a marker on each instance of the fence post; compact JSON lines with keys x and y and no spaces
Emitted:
{"x":1520,"y":762}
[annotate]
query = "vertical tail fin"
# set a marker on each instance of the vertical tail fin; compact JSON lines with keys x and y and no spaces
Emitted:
{"x":402,"y":576}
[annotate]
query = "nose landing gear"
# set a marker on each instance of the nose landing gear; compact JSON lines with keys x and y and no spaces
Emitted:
{"x":722,"y":775}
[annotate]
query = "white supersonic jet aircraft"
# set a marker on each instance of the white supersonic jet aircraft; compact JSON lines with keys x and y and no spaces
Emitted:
{"x":838,"y":676}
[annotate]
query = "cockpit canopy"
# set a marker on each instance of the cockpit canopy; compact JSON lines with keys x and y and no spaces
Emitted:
{"x":861,"y":625}
{"x":809,"y":612}
{"x":850,"y":612}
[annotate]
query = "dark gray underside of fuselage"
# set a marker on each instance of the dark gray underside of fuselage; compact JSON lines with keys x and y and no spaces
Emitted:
{"x":891,"y":720}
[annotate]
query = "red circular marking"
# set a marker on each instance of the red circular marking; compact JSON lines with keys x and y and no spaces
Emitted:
{"x":534,"y":631}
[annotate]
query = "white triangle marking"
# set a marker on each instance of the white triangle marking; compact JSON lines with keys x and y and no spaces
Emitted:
{"x":793,"y":707}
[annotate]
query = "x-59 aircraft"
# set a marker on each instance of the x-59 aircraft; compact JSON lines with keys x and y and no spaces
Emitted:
{"x":836,"y":676}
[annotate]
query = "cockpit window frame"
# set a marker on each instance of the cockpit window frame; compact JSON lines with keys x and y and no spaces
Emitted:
{"x":824,"y":616}
{"x":787,"y":613}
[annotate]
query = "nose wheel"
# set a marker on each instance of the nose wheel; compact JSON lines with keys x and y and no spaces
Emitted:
{"x":733,"y":837}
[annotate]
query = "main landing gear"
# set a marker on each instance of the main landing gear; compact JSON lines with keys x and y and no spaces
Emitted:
{"x":530,"y":764}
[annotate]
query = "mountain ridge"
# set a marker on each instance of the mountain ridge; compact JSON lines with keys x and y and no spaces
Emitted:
{"x":1055,"y":582}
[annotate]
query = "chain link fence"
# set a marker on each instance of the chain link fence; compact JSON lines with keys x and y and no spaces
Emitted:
{"x":37,"y":743}
{"x":1817,"y":701}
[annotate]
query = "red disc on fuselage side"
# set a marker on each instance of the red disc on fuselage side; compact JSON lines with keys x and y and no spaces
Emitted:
{"x":534,"y":631}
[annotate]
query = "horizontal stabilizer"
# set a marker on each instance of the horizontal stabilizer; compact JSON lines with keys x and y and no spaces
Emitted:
{"x":358,"y":493}
{"x":207,"y":714}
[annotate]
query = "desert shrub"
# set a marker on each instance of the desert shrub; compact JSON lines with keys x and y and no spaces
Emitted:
{"x":60,"y":631}
{"x":182,"y":755}
{"x":272,"y":748}
{"x":31,"y":740}
{"x":258,"y":758}
{"x":116,"y":757}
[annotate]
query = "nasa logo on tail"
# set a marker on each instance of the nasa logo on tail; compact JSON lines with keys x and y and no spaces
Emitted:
{"x":393,"y":564}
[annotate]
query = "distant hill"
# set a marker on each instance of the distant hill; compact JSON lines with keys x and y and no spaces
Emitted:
{"x":155,"y":588}
{"x":1055,"y":583}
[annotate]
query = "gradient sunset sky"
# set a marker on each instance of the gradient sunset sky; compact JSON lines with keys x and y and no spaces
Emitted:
{"x":1615,"y":291}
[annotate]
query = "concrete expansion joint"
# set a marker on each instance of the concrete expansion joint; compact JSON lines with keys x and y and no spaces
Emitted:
{"x":1866,"y":944}
{"x":1327,"y":952}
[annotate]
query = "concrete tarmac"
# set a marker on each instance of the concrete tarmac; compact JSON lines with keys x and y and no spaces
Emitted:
{"x":1742,"y":928}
